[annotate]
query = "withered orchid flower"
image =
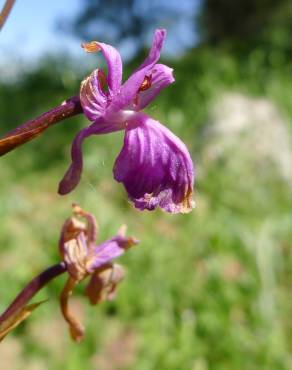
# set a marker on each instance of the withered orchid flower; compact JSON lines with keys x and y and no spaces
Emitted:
{"x":84,"y":258}
{"x":81,"y":258}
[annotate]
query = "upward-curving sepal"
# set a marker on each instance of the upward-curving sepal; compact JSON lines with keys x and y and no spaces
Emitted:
{"x":131,"y":87}
{"x":113,"y":61}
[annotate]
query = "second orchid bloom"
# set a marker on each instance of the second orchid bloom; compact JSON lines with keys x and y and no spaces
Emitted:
{"x":84,"y":258}
{"x":154,"y":165}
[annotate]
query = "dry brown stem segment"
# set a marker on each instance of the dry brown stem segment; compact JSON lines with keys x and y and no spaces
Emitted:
{"x":6,"y":11}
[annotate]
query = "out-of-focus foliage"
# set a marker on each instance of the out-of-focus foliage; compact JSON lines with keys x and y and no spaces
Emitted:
{"x":130,"y":23}
{"x":36,"y":91}
{"x":241,"y":24}
{"x":247,"y":23}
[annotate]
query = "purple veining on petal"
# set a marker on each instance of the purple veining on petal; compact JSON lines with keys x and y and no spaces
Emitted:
{"x":92,"y":97}
{"x":155,"y":167}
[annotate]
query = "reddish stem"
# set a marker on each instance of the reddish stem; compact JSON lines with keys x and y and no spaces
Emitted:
{"x":32,"y":288}
{"x":5,"y":12}
{"x":33,"y":128}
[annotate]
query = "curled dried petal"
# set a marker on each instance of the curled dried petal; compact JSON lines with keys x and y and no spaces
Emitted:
{"x":103,"y":283}
{"x":76,"y":256}
{"x":70,"y":230}
{"x":91,"y":229}
{"x":75,"y":327}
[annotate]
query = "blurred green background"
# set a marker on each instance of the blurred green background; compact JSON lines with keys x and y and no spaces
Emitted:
{"x":210,"y":290}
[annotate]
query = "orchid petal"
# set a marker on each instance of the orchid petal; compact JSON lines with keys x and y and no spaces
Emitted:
{"x":161,"y":76}
{"x":73,"y":174}
{"x":114,"y":65}
{"x":91,"y":227}
{"x":131,"y":86}
{"x":113,"y":60}
{"x":155,"y":167}
{"x":109,"y":250}
{"x":75,"y":327}
{"x":75,"y":257}
{"x":103,"y":284}
{"x":70,"y":230}
{"x":92,"y":98}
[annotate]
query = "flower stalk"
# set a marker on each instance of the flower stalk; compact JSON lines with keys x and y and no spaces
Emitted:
{"x":36,"y":126}
{"x":36,"y":284}
{"x":5,"y":12}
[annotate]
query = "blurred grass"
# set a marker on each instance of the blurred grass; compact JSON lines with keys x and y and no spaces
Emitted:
{"x":208,"y":290}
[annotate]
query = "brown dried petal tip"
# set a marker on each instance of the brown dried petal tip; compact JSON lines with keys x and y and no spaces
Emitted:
{"x":91,"y":47}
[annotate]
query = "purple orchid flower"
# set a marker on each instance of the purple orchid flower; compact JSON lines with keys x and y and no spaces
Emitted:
{"x":83,"y":258}
{"x":154,"y":165}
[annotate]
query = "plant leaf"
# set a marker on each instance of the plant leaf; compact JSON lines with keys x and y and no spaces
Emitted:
{"x":18,"y":317}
